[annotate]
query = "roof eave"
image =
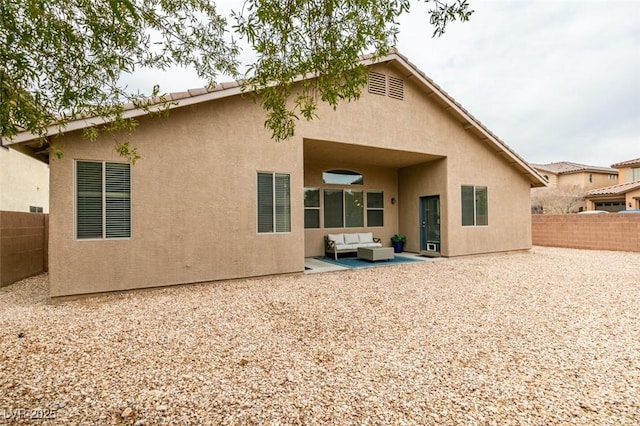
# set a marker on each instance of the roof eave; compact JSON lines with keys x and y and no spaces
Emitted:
{"x":129,"y":113}
{"x":484,"y":134}
{"x":536,"y":180}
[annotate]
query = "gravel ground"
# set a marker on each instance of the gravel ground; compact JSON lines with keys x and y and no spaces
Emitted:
{"x":550,"y":336}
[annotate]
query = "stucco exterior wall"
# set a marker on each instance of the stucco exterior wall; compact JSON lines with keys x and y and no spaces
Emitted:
{"x":375,"y":179}
{"x":193,"y":204}
{"x":601,"y":180}
{"x":417,"y":124}
{"x":553,"y":178}
{"x":417,"y":181}
{"x":194,"y":191}
{"x":509,"y":225}
{"x":581,"y":180}
{"x":625,"y":174}
{"x":509,"y":205}
{"x":24,"y":182}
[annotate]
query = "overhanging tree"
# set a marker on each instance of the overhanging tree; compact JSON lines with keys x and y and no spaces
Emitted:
{"x":323,"y":39}
{"x":62,"y":60}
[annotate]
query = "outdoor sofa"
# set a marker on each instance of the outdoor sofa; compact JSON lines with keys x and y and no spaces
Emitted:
{"x":349,"y":243}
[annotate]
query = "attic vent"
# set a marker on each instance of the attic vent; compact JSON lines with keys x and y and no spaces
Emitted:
{"x":396,"y":88}
{"x":381,"y":84}
{"x":377,"y":83}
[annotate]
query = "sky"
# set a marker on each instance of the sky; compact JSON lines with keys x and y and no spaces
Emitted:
{"x":556,"y":80}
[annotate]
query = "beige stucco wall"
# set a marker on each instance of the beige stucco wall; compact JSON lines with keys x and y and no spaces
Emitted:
{"x":417,"y":181}
{"x":24,"y":182}
{"x":552,"y":178}
{"x":419,"y":125}
{"x":194,"y":191}
{"x":375,"y":179}
{"x":416,"y":124}
{"x":626,"y":173}
{"x":193,"y":204}
{"x":632,"y":198}
{"x":581,"y":180}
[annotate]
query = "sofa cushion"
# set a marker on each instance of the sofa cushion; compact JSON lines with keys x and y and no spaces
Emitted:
{"x":351,"y":239}
{"x":365,"y":237}
{"x":370,"y":245}
{"x":346,"y":246}
{"x":337,"y":238}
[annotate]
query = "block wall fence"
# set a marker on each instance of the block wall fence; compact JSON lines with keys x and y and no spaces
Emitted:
{"x":24,"y":238}
{"x":23,"y":245}
{"x":620,"y":232}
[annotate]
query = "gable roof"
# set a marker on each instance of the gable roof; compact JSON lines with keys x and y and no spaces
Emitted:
{"x":195,"y":96}
{"x":634,"y":162}
{"x":567,"y":167}
{"x":623,"y":188}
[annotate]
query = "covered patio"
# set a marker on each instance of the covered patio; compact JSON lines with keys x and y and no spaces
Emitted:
{"x":315,"y":265}
{"x":383,"y":197}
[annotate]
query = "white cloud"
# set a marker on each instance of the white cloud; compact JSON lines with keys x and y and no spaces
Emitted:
{"x":556,"y":80}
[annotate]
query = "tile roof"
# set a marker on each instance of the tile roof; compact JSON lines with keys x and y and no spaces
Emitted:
{"x":190,"y":93}
{"x":635,"y":161}
{"x":566,"y":167}
{"x":623,"y":188}
{"x":194,"y":96}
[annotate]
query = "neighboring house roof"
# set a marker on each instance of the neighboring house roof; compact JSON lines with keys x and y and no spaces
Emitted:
{"x":543,"y":168}
{"x":623,"y":188}
{"x":634,"y":162}
{"x":567,"y":167}
{"x":190,"y":97}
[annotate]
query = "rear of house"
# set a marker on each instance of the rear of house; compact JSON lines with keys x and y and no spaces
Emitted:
{"x":215,"y":198}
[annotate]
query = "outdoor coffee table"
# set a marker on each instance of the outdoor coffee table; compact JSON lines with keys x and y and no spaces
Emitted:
{"x":375,"y":253}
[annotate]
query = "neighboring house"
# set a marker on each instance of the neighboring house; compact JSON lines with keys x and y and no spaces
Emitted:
{"x":568,"y":184}
{"x":24,"y":183}
{"x":625,"y":196}
{"x":214,"y":198}
{"x":565,"y":174}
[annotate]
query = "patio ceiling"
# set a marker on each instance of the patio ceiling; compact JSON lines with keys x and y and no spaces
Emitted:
{"x":323,"y":151}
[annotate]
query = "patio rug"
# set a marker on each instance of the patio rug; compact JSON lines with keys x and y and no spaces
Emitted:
{"x":355,"y":263}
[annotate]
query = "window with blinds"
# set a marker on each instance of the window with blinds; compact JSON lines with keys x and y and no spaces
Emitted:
{"x":343,"y":208}
{"x":375,"y":208}
{"x":475,"y":210}
{"x":274,"y":202}
{"x":311,"y":208}
{"x":103,"y":200}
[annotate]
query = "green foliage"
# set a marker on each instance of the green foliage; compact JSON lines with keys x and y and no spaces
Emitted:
{"x":323,"y":39}
{"x":62,"y":60}
{"x":399,"y":238}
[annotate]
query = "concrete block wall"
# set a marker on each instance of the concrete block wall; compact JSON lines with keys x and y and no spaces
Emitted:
{"x":23,"y":245}
{"x":620,"y":232}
